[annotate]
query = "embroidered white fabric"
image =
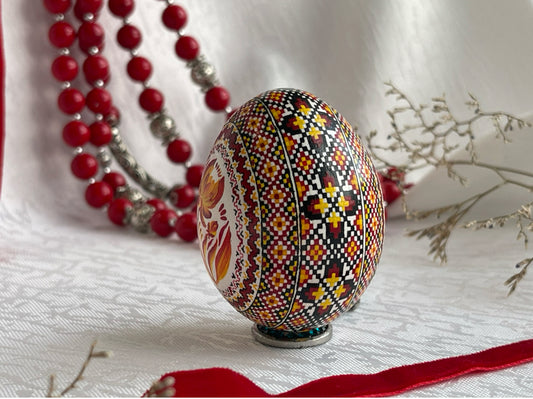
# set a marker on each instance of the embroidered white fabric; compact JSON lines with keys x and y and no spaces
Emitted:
{"x":67,"y":276}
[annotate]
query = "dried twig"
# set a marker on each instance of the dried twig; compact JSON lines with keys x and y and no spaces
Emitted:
{"x":92,"y":354}
{"x":429,"y":136}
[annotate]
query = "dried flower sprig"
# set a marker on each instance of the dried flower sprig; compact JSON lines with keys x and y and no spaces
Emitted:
{"x":429,"y":136}
{"x":92,"y":355}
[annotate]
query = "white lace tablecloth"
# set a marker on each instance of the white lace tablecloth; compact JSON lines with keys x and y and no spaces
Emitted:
{"x":68,"y":277}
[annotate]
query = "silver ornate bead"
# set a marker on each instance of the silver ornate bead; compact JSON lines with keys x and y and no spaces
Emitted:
{"x":163,"y":127}
{"x":140,"y":217}
{"x":203,"y":74}
{"x":104,"y":158}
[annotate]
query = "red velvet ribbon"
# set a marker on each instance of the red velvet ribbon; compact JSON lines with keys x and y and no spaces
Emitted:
{"x":2,"y":94}
{"x":222,"y":382}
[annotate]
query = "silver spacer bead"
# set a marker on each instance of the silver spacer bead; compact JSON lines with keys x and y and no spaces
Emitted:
{"x":92,"y":180}
{"x":65,"y":85}
{"x":78,"y":150}
{"x":163,"y":127}
{"x":88,"y":17}
{"x":107,"y":170}
{"x":99,"y":117}
{"x":59,"y":17}
{"x":104,"y":158}
{"x":203,"y":73}
{"x":99,"y":83}
{"x":140,"y":217}
{"x":76,"y":116}
{"x":94,"y":50}
{"x":64,"y":51}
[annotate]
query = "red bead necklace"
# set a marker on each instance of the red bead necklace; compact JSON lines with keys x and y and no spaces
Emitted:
{"x":125,"y":204}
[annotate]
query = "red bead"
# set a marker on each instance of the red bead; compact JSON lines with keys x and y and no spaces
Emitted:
{"x":183,"y":196}
{"x":100,"y":133}
{"x":129,"y":37}
{"x":99,"y":101}
{"x":187,"y":48}
{"x":71,"y":101}
{"x":114,"y":179}
{"x":157,"y":203}
{"x":391,"y":191}
{"x":217,"y":98}
{"x":118,"y":210}
{"x":151,"y":100}
{"x":186,"y":227}
{"x":64,"y":68}
{"x":139,"y":69}
{"x":61,"y":34}
{"x":96,"y":67}
{"x":57,"y":6}
{"x":84,"y":166}
{"x":174,"y":17}
{"x":179,"y":151}
{"x":162,"y":222}
{"x":121,"y":8}
{"x":83,"y":7}
{"x":76,"y":133}
{"x":194,"y":175}
{"x":91,"y":34}
{"x":98,"y":194}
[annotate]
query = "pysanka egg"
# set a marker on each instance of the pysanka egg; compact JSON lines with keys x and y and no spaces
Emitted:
{"x":290,"y":215}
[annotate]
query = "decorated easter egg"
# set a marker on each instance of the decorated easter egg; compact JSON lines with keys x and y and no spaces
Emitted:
{"x":290,"y":215}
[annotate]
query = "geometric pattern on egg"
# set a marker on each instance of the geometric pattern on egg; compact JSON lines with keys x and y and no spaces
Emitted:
{"x":290,"y":215}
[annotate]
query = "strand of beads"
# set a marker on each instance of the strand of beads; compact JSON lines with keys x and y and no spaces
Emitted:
{"x":112,"y":191}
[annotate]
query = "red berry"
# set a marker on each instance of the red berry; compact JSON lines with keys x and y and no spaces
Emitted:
{"x":99,"y":101}
{"x":157,"y":203}
{"x":71,"y":101}
{"x":64,"y":68}
{"x":114,"y":179}
{"x":186,"y":227}
{"x":84,"y":166}
{"x":96,"y":67}
{"x":129,"y":37}
{"x":151,"y":100}
{"x":90,"y":34}
{"x":194,"y":175}
{"x":121,"y":8}
{"x":187,"y":48}
{"x":162,"y":222}
{"x":118,"y":210}
{"x":98,"y":194}
{"x":100,"y":133}
{"x":174,"y":17}
{"x":57,"y":6}
{"x":179,"y":151}
{"x":76,"y":133}
{"x":139,"y":69}
{"x":61,"y":34}
{"x":217,"y":98}
{"x":182,"y":196}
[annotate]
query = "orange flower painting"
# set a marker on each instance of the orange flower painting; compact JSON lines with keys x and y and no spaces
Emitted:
{"x":216,"y":242}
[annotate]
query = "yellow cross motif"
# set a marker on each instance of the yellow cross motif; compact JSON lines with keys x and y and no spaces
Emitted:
{"x":353,"y":182}
{"x":360,"y":222}
{"x":330,"y":189}
{"x":318,"y":293}
{"x":343,"y":203}
{"x":339,"y":291}
{"x":321,"y":121}
{"x":325,"y":303}
{"x":334,"y":219}
{"x":275,"y":113}
{"x":332,"y":280}
{"x":304,"y":109}
{"x":314,"y":132}
{"x":299,"y":122}
{"x":321,"y":206}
